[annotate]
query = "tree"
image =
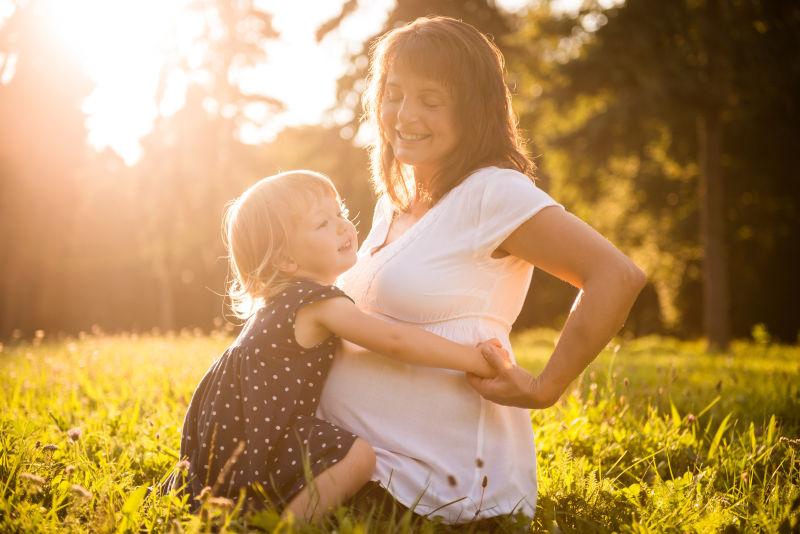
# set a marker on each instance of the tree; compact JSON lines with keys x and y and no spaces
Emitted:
{"x":189,"y":166}
{"x":483,"y":14}
{"x":635,"y":101}
{"x":42,"y":151}
{"x":94,"y":241}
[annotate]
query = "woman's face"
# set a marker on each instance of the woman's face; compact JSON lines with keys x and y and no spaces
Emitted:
{"x":418,"y":120}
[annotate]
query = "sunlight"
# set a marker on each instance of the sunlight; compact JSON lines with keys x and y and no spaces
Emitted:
{"x":301,"y":72}
{"x":122,"y":45}
{"x":129,"y":47}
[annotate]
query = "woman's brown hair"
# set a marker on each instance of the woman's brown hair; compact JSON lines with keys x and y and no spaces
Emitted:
{"x":465,"y":61}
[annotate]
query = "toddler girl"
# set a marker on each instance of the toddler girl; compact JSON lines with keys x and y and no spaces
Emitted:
{"x":251,"y":422}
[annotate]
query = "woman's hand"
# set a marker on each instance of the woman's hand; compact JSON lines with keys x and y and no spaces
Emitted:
{"x":558,"y":242}
{"x":513,"y":386}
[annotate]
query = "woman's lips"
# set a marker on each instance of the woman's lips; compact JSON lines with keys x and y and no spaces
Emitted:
{"x":411,"y":137}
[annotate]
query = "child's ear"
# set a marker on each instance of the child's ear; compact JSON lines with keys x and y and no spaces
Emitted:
{"x":287,"y":265}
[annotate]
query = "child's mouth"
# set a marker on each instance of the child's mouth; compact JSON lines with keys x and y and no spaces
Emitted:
{"x":346,"y":246}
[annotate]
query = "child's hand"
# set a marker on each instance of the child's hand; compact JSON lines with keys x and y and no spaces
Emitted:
{"x":488,"y":346}
{"x":491,"y":345}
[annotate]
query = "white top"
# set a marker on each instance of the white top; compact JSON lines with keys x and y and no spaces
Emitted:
{"x":436,"y":439}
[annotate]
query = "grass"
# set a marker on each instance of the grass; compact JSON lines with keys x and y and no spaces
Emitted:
{"x":657,"y":435}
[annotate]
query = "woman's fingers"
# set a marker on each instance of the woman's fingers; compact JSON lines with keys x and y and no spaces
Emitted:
{"x":513,"y":386}
{"x":484,"y":386}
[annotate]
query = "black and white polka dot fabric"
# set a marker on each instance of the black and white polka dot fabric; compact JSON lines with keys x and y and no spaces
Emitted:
{"x":260,"y":396}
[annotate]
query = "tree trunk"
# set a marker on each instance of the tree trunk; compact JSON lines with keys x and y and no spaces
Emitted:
{"x":162,"y":273}
{"x":716,"y":322}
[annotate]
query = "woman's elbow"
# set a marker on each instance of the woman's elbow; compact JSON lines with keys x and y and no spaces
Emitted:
{"x":621,"y":274}
{"x":633,"y":278}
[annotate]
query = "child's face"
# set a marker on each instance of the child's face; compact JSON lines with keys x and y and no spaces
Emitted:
{"x":324,"y":244}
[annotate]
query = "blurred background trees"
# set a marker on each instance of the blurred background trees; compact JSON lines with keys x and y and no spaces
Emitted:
{"x":671,"y":127}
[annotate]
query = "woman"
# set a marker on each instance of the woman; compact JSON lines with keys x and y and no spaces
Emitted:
{"x":457,"y":230}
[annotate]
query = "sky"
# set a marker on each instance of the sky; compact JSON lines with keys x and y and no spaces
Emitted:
{"x":122,"y":45}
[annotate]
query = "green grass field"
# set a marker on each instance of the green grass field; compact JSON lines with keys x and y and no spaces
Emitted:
{"x":657,"y":435}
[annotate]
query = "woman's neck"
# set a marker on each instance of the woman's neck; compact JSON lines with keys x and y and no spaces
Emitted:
{"x":423,"y":176}
{"x":421,"y":201}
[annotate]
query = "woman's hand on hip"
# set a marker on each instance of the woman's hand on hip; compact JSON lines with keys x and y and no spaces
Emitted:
{"x":513,"y":385}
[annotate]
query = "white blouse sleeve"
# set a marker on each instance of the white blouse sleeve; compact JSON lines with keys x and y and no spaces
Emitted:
{"x":508,"y":199}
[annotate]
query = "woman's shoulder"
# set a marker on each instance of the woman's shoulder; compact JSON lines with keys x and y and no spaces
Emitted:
{"x":486,"y":176}
{"x":493,"y":184}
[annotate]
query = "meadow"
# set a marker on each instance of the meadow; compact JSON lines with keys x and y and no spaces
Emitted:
{"x":657,"y":435}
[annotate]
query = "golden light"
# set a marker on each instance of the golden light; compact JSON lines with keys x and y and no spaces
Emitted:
{"x":128,"y":47}
{"x":123,"y":46}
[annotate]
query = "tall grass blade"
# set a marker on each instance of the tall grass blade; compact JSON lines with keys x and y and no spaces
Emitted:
{"x":771,"y":430}
{"x":710,"y":405}
{"x":676,"y":416}
{"x":712,"y":449}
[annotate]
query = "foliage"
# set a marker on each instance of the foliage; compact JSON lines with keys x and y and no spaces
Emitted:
{"x":482,"y":14}
{"x":612,"y":99}
{"x":656,"y":436}
{"x":608,"y":95}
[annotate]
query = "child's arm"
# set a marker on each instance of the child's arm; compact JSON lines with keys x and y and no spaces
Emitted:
{"x":407,"y":343}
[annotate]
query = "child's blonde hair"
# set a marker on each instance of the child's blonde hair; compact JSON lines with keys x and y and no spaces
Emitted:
{"x":256,"y":228}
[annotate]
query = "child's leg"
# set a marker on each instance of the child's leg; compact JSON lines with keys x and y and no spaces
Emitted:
{"x":336,"y":484}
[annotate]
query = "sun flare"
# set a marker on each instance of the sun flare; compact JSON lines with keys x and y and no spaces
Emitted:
{"x":123,"y":47}
{"x":142,"y":55}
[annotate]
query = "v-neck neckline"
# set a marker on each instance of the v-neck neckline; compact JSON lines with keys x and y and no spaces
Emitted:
{"x":384,"y":245}
{"x":410,"y":231}
{"x":414,"y":228}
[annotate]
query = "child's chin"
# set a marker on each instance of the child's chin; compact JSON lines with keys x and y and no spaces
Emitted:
{"x":350,"y":262}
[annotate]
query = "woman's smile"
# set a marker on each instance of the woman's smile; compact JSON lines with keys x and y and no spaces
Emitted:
{"x":410,"y":137}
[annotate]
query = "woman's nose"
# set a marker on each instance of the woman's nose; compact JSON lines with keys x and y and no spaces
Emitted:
{"x":406,"y":113}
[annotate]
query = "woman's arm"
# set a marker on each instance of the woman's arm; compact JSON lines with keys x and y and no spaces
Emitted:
{"x":407,"y":343}
{"x":568,"y":248}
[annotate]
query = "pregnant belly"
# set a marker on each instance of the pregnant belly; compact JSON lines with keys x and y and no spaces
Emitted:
{"x":399,"y":407}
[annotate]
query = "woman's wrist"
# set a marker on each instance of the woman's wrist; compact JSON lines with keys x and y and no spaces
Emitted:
{"x":543,"y":391}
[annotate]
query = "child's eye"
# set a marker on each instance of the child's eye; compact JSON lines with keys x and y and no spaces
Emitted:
{"x":323,"y":224}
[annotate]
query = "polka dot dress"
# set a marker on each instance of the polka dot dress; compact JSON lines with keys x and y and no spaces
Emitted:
{"x":250,"y":423}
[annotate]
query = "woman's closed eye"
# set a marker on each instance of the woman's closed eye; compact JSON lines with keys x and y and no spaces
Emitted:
{"x":427,"y":102}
